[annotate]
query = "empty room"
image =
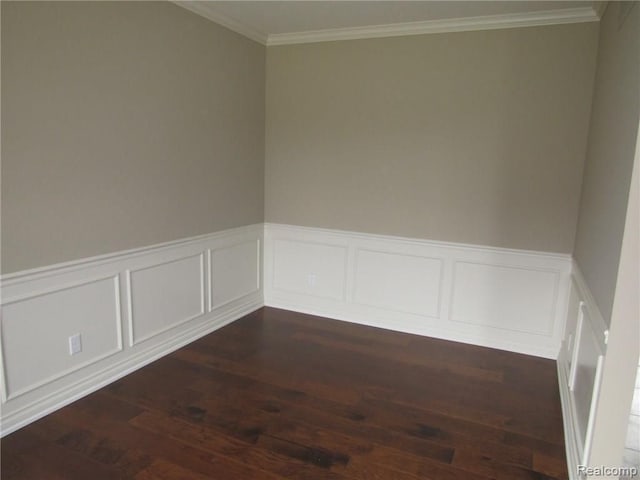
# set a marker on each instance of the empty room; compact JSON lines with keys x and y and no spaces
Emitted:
{"x":342,"y":240}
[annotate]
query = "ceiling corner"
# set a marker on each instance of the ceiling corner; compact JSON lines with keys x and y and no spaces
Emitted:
{"x":599,"y":7}
{"x":205,"y":9}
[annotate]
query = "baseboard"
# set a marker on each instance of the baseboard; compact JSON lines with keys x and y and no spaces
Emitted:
{"x":130,"y":309}
{"x":508,"y":299}
{"x":570,"y":436}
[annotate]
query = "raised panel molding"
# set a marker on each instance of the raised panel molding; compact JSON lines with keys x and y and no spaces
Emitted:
{"x":309,"y":268}
{"x":505,"y":297}
{"x":155,"y":297}
{"x":235,"y":272}
{"x":580,"y":361}
{"x":165,"y":295}
{"x":394,"y":281}
{"x":55,"y":315}
{"x":501,"y":298}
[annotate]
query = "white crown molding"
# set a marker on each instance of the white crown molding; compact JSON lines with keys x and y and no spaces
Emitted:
{"x":206,"y":9}
{"x":492,"y":22}
{"x":599,"y":7}
{"x":488,"y":22}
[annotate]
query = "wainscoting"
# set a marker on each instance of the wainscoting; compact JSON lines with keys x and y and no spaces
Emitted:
{"x":579,"y":366}
{"x":128,"y":308}
{"x":508,"y":299}
{"x":133,"y":307}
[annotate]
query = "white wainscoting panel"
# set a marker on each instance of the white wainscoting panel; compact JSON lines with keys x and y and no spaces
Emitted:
{"x":235,"y":272}
{"x":130,"y":308}
{"x":165,"y":295}
{"x":579,"y":368}
{"x":573,"y":313}
{"x":395,"y":281}
{"x":309,"y":268}
{"x":582,"y":377}
{"x":37,"y":328}
{"x":509,"y":299}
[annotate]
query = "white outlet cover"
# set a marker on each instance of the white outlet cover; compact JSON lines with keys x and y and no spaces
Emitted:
{"x":312,"y":279}
{"x":75,"y":344}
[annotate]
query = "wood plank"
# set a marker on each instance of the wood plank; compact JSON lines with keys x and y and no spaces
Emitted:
{"x":283,"y":395}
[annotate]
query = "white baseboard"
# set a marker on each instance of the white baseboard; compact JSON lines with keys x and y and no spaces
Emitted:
{"x":579,"y":369}
{"x":501,"y":298}
{"x":129,"y":308}
{"x":570,"y":438}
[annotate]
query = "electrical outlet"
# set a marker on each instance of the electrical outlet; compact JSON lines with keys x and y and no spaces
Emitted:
{"x":75,"y":344}
{"x":311,"y":280}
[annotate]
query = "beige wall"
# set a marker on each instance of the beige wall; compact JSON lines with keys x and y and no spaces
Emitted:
{"x":621,"y":361}
{"x":474,"y":137}
{"x":611,"y":147}
{"x":124,"y":124}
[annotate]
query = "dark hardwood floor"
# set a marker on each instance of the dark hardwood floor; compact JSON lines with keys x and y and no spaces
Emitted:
{"x":279,"y":395}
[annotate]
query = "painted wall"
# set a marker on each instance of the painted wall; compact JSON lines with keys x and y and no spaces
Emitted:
{"x":124,"y":124}
{"x":474,"y":137}
{"x":621,"y":363}
{"x":611,"y":147}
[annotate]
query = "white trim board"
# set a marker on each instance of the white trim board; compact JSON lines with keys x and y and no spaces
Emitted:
{"x":72,"y":265}
{"x":486,"y":22}
{"x":579,"y":366}
{"x":130,"y":308}
{"x":449,"y":25}
{"x":570,"y":439}
{"x":500,"y":298}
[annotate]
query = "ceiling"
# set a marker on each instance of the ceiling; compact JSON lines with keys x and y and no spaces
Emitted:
{"x":281,"y":22}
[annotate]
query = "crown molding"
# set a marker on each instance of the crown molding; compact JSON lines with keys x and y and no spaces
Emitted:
{"x":206,"y":9}
{"x":599,"y":7}
{"x":490,"y":22}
